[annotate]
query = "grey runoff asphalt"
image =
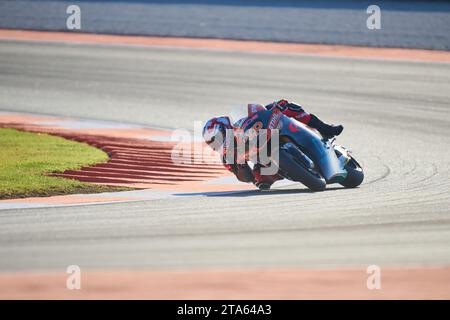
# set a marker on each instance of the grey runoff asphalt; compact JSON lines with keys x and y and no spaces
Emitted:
{"x":407,"y":24}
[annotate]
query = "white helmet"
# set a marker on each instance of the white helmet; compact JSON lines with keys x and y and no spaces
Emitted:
{"x":214,"y":131}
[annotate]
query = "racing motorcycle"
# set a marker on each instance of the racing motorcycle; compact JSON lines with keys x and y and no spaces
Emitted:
{"x":304,"y":155}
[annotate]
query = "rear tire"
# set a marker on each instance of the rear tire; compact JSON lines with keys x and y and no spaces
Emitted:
{"x":355,"y":174}
{"x":297,"y":172}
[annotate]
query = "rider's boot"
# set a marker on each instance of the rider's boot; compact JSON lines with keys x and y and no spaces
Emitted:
{"x":326,"y":130}
{"x":263,"y":182}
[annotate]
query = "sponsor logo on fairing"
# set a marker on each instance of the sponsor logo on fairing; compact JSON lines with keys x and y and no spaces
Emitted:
{"x":293,"y":127}
{"x":275,"y":118}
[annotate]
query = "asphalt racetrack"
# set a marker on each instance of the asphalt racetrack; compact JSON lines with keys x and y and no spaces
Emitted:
{"x":396,"y":118}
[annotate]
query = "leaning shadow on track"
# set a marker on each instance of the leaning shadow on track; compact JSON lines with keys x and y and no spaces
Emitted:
{"x":255,"y":193}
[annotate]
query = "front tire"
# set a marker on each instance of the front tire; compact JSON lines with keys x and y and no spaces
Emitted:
{"x":297,"y":172}
{"x":355,"y":174}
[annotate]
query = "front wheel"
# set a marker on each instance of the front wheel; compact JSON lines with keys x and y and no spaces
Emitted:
{"x":355,"y":174}
{"x":294,"y":170}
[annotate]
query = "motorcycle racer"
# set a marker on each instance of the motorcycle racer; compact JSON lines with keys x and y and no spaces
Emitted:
{"x":217,"y":127}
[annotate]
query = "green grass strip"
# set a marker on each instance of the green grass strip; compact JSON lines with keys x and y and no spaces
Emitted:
{"x":25,"y":158}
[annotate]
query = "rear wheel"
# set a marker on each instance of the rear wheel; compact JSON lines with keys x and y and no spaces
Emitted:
{"x":295,"y":169}
{"x":355,"y":174}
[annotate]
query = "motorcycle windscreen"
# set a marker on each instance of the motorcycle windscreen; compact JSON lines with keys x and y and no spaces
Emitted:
{"x":240,"y":113}
{"x":314,"y":146}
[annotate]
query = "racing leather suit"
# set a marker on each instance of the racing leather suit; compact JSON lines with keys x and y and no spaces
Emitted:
{"x":244,"y":173}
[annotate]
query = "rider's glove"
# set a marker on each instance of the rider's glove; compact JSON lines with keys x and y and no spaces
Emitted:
{"x":243,"y":172}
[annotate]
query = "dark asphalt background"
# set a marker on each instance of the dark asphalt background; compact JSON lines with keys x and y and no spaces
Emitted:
{"x":407,"y":24}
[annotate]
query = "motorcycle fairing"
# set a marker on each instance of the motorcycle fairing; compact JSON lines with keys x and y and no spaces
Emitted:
{"x":307,"y":139}
{"x":314,"y":145}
